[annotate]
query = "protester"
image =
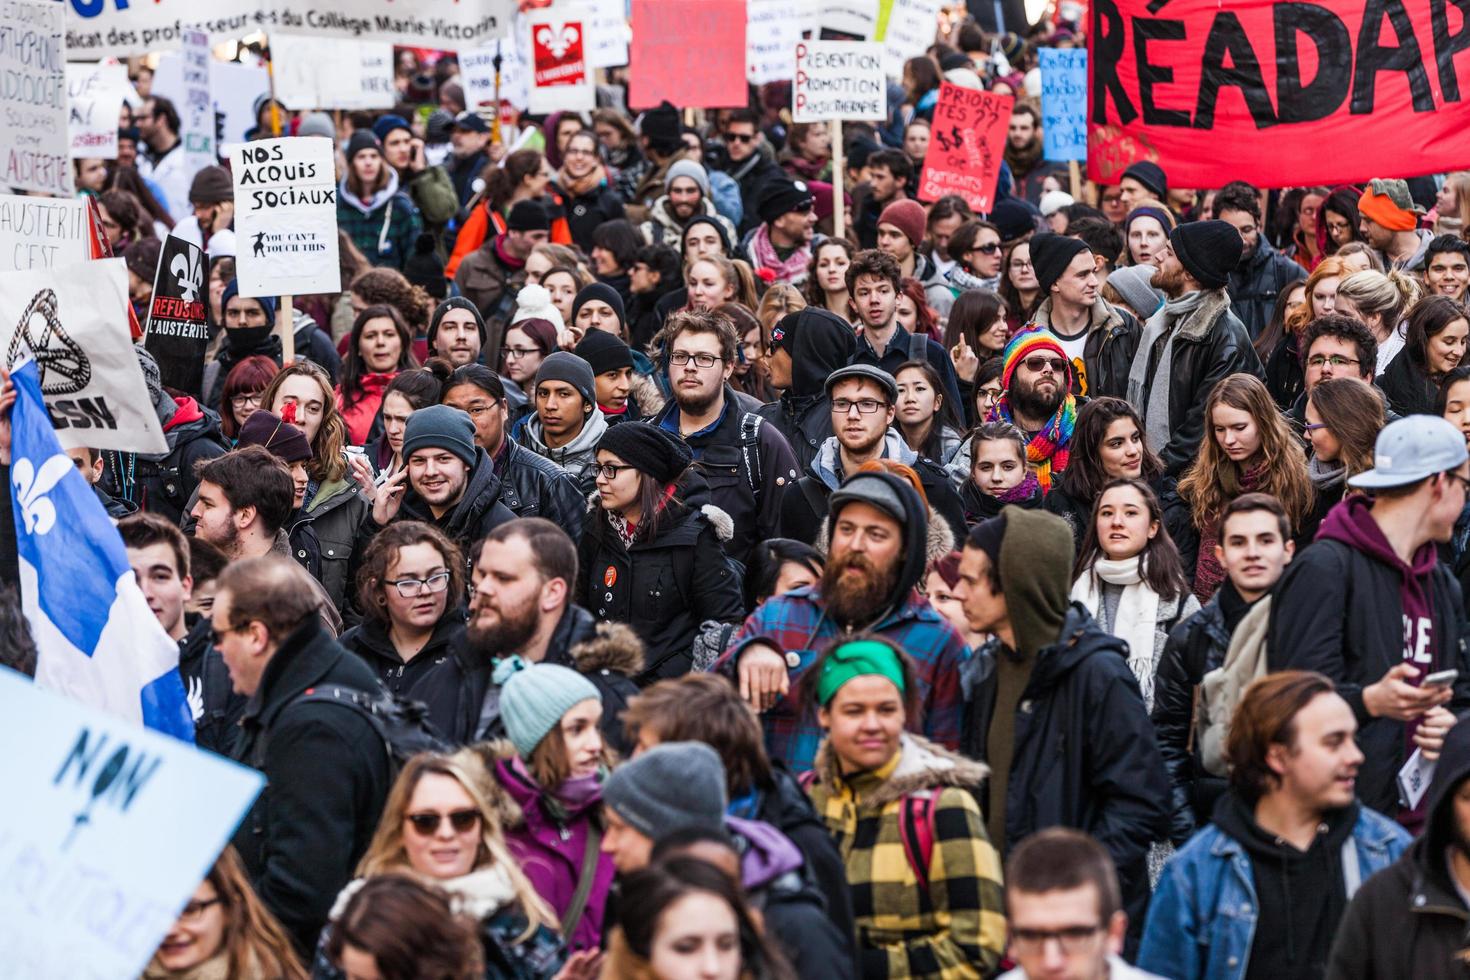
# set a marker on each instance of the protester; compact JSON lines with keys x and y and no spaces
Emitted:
{"x":806,"y":347}
{"x":901,"y":229}
{"x":1143,"y":180}
{"x":457,"y":333}
{"x":1380,"y":301}
{"x":686,"y":195}
{"x":978,"y":254}
{"x":248,"y":326}
{"x":1344,"y":417}
{"x":586,"y":192}
{"x":379,"y":347}
{"x":528,"y":342}
{"x":408,"y":392}
{"x":998,"y":475}
{"x":1434,"y":345}
{"x":779,"y":249}
{"x":1447,"y":267}
{"x":924,"y":418}
{"x":376,"y":214}
{"x":1146,"y":231}
{"x":1388,"y":221}
{"x":429,"y":187}
{"x":1037,"y":381}
{"x":1087,"y":327}
{"x":826,"y":282}
{"x":397,"y":928}
{"x":977,"y":331}
{"x":241,"y":393}
{"x":163,"y":158}
{"x":1333,"y":346}
{"x":611,"y":361}
{"x":712,"y":280}
{"x":484,"y":277}
{"x":1107,"y":444}
{"x":566,"y":425}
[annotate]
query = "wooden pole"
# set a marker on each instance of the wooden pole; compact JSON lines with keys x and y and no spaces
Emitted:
{"x":1074,"y":173}
{"x":270,"y":78}
{"x":839,"y":213}
{"x":285,"y":321}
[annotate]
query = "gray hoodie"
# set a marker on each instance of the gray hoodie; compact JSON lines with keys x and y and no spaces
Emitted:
{"x":578,"y":457}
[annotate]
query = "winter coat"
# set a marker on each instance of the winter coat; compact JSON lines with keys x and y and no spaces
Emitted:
{"x":212,"y":699}
{"x":327,"y":776}
{"x":750,"y":490}
{"x":1112,"y":340}
{"x":334,"y":519}
{"x":363,"y":410}
{"x":370,"y":641}
{"x":165,"y":484}
{"x":1285,"y":376}
{"x":981,"y":506}
{"x":487,"y":278}
{"x":1256,"y":282}
{"x":665,"y":586}
{"x":533,"y":486}
{"x":804,"y":416}
{"x":586,"y":211}
{"x":577,"y":459}
{"x":1210,"y":345}
{"x":478,"y":512}
{"x":752,"y":174}
{"x":662,"y":228}
{"x":955,"y":925}
{"x":1085,"y":755}
{"x":384,"y":227}
{"x":434,"y":194}
{"x":1407,"y":386}
{"x":1202,"y":921}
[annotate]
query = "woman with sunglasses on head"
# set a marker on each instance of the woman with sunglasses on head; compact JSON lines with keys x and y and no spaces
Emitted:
{"x":442,"y":826}
{"x":225,"y":933}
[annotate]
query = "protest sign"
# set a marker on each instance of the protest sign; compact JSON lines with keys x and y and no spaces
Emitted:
{"x":672,"y":60}
{"x":1064,"y":104}
{"x":772,"y":28}
{"x":839,"y":80}
{"x":96,"y":28}
{"x":845,"y":20}
{"x":233,"y":89}
{"x":196,"y":111}
{"x":37,"y":150}
{"x":286,"y":216}
{"x":178,"y":330}
{"x":906,"y":28}
{"x":607,"y":34}
{"x":94,"y":98}
{"x":966,"y":146}
{"x":42,"y":232}
{"x":119,"y":826}
{"x":74,"y":319}
{"x":561,"y":78}
{"x":1256,"y":91}
{"x":477,"y":74}
{"x":331,"y":73}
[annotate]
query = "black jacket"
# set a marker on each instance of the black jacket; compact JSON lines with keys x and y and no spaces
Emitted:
{"x":1085,"y":753}
{"x":212,"y":698}
{"x":1256,"y":282}
{"x":751,"y":174}
{"x":734,"y":471}
{"x":332,"y":523}
{"x":1107,"y":354}
{"x":665,"y":586}
{"x":370,"y":641}
{"x":533,"y":486}
{"x":164,"y":484}
{"x":585,"y":213}
{"x":1407,"y":387}
{"x":327,"y":776}
{"x":1285,"y":375}
{"x":805,"y":421}
{"x":478,"y":512}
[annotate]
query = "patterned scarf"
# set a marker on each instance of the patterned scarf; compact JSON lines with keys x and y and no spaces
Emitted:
{"x":792,"y":270}
{"x":1050,"y":449}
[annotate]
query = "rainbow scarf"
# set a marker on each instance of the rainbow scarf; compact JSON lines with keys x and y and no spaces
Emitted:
{"x":1050,"y":449}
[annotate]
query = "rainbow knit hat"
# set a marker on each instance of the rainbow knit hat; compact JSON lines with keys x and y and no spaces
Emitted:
{"x":1028,"y":341}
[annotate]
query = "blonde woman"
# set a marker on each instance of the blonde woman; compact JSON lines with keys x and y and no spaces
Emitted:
{"x":1380,"y":300}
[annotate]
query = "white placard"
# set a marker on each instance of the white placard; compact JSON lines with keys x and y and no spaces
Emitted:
{"x":286,"y":216}
{"x":233,"y":89}
{"x":911,"y":30}
{"x":607,"y":34}
{"x":561,"y":78}
{"x":772,"y":29}
{"x":477,"y":75}
{"x":856,"y":19}
{"x":119,"y":825}
{"x":839,"y":80}
{"x":375,"y":85}
{"x":331,"y":73}
{"x":33,"y":116}
{"x":42,"y":232}
{"x":196,"y":111}
{"x":94,"y":98}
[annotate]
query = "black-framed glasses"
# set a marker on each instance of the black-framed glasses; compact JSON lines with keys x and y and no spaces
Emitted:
{"x":196,"y":908}
{"x":1072,"y":939}
{"x":427,"y":824}
{"x":680,"y":358}
{"x":412,"y":588}
{"x":1462,"y":480}
{"x":866,"y":406}
{"x":610,"y":471}
{"x":251,"y":400}
{"x":516,"y":353}
{"x":1336,"y":360}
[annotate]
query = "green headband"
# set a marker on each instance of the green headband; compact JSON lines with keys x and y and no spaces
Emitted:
{"x":858,"y":659}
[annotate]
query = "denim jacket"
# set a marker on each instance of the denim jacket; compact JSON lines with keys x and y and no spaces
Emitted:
{"x":1202,"y":921}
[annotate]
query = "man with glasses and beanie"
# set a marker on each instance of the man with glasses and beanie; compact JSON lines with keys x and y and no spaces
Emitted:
{"x":1370,"y":605}
{"x":1096,"y":336}
{"x":326,"y":767}
{"x":780,"y":249}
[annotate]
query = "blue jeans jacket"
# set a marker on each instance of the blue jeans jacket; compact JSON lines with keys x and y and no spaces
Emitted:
{"x":1203,"y":917}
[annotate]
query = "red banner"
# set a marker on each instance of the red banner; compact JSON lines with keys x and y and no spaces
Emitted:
{"x":967,"y":143}
{"x":1278,"y":94}
{"x":691,"y":52}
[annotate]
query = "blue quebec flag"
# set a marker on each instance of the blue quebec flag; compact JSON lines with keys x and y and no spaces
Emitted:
{"x":97,"y":642}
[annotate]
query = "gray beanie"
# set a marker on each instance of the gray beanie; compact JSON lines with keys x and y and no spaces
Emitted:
{"x":164,"y":405}
{"x":441,"y":427}
{"x":670,"y":787}
{"x":690,"y":169}
{"x":534,"y":699}
{"x":1135,"y":284}
{"x":568,"y":367}
{"x":317,"y":124}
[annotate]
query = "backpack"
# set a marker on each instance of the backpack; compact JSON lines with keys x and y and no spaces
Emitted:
{"x":403,"y":725}
{"x":915,"y":827}
{"x":1221,"y":689}
{"x":750,"y":453}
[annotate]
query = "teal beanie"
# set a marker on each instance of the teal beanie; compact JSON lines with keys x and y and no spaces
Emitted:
{"x":533,"y":700}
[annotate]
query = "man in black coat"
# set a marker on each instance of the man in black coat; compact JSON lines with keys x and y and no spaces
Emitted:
{"x":1052,"y":705}
{"x":1263,"y":272}
{"x":327,"y":769}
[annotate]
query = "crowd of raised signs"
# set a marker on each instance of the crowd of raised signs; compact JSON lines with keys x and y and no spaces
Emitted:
{"x":626,"y":575}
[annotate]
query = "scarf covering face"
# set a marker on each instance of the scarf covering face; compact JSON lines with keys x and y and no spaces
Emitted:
{"x":1138,"y":613}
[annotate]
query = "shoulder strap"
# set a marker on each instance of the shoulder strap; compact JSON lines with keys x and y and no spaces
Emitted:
{"x":918,"y":347}
{"x":584,"y":881}
{"x":916,"y":831}
{"x":750,"y":453}
{"x":813,"y":497}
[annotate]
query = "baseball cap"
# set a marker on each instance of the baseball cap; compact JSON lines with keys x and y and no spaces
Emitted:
{"x":471,"y":121}
{"x":1411,"y":449}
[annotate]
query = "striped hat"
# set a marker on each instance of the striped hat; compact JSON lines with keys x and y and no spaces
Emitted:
{"x":1027,"y":342}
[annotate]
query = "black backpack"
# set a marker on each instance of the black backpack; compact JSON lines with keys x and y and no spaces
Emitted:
{"x":403,"y":725}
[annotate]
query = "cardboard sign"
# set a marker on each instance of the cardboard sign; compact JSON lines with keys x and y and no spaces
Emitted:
{"x":907,"y":29}
{"x":116,"y":818}
{"x":178,"y":328}
{"x":772,"y":28}
{"x":196,"y":111}
{"x":561,"y":78}
{"x":33,"y":113}
{"x":42,"y":232}
{"x":286,"y":216}
{"x":846,"y":20}
{"x":1064,"y":104}
{"x":74,"y":320}
{"x":839,"y":80}
{"x":1277,"y":94}
{"x":94,"y":98}
{"x":673,"y":59}
{"x":966,"y":146}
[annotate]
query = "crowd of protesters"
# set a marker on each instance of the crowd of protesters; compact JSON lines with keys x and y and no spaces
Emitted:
{"x":1063,"y":591}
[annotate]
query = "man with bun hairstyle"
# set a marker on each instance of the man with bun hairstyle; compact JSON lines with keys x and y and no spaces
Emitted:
{"x":1095,"y":335}
{"x":1192,"y":342}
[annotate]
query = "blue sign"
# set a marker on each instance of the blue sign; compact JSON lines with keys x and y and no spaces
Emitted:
{"x":1064,"y":103}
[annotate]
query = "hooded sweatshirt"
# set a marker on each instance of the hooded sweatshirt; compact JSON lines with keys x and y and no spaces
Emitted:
{"x":576,"y":457}
{"x":821,"y":345}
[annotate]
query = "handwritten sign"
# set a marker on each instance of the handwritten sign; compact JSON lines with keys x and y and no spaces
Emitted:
{"x":907,"y":29}
{"x":196,"y":110}
{"x":37,"y":151}
{"x":94,"y":98}
{"x":1064,"y":103}
{"x":673,"y":59}
{"x":42,"y":232}
{"x":966,"y":145}
{"x":839,"y":80}
{"x":477,"y":74}
{"x":286,"y":216}
{"x":772,"y":28}
{"x":332,"y":73}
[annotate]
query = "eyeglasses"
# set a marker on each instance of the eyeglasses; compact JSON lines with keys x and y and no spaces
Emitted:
{"x":1314,"y":426}
{"x":410,"y":588}
{"x":867,"y":406}
{"x":245,"y":401}
{"x":1020,"y":264}
{"x":427,"y":824}
{"x":216,"y":636}
{"x":1073,"y":939}
{"x":475,"y":411}
{"x":1037,"y":364}
{"x":516,"y":353}
{"x":1464,"y":482}
{"x":195,"y":908}
{"x":739,"y":138}
{"x":1336,"y":360}
{"x":679,"y":358}
{"x":989,"y":248}
{"x":610,"y":471}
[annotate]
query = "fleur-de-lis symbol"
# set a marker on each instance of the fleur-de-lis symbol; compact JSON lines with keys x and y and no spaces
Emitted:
{"x":31,"y":487}
{"x":186,"y":268}
{"x":557,"y":39}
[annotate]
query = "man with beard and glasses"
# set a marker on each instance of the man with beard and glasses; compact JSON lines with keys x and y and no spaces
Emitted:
{"x":1037,"y":379}
{"x":1192,"y":342}
{"x":521,"y":612}
{"x":747,"y":462}
{"x":880,"y":532}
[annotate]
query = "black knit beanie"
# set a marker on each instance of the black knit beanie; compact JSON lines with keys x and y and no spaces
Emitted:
{"x":601,"y":291}
{"x":648,"y":447}
{"x":455,"y":303}
{"x":1151,"y":176}
{"x":1208,"y":250}
{"x":604,"y":351}
{"x":1050,"y":256}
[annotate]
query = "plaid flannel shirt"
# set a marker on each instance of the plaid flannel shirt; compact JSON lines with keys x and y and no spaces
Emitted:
{"x":796,"y":622}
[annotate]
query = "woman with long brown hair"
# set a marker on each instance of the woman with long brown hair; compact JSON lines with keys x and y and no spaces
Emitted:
{"x":1344,"y":417}
{"x":751,"y":374}
{"x":1248,"y":447}
{"x":380,"y":346}
{"x":826,"y":281}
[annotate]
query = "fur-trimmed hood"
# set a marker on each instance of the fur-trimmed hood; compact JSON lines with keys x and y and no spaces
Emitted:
{"x":616,"y":647}
{"x":643,"y":389}
{"x":922,"y":765}
{"x":1213,"y":304}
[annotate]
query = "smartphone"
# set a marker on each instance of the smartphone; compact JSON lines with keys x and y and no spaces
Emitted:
{"x":1440,"y":678}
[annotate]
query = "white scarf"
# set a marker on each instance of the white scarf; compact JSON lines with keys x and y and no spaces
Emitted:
{"x":1136,"y":621}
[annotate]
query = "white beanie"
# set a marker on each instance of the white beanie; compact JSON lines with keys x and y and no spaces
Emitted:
{"x":534,"y":303}
{"x":1053,"y":201}
{"x":964,"y":78}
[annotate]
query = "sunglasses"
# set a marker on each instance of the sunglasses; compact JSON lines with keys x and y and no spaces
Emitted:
{"x":739,"y":138}
{"x":989,"y":248}
{"x":1038,"y":364}
{"x":427,"y":824}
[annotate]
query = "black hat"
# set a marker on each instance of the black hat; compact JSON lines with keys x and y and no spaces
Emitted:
{"x":568,"y":368}
{"x":437,"y":126}
{"x":212,"y":185}
{"x":707,"y":219}
{"x":1050,"y":256}
{"x":454,"y":303}
{"x":1150,"y":175}
{"x":281,"y":439}
{"x":471,"y":121}
{"x":601,"y":291}
{"x":1014,"y":217}
{"x":661,"y":125}
{"x":425,"y":268}
{"x":783,"y":334}
{"x":956,"y":59}
{"x":1208,"y":250}
{"x":529,"y":215}
{"x":604,"y":352}
{"x":780,"y":195}
{"x":649,"y":448}
{"x":859,"y":150}
{"x":441,"y":427}
{"x":363,"y":139}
